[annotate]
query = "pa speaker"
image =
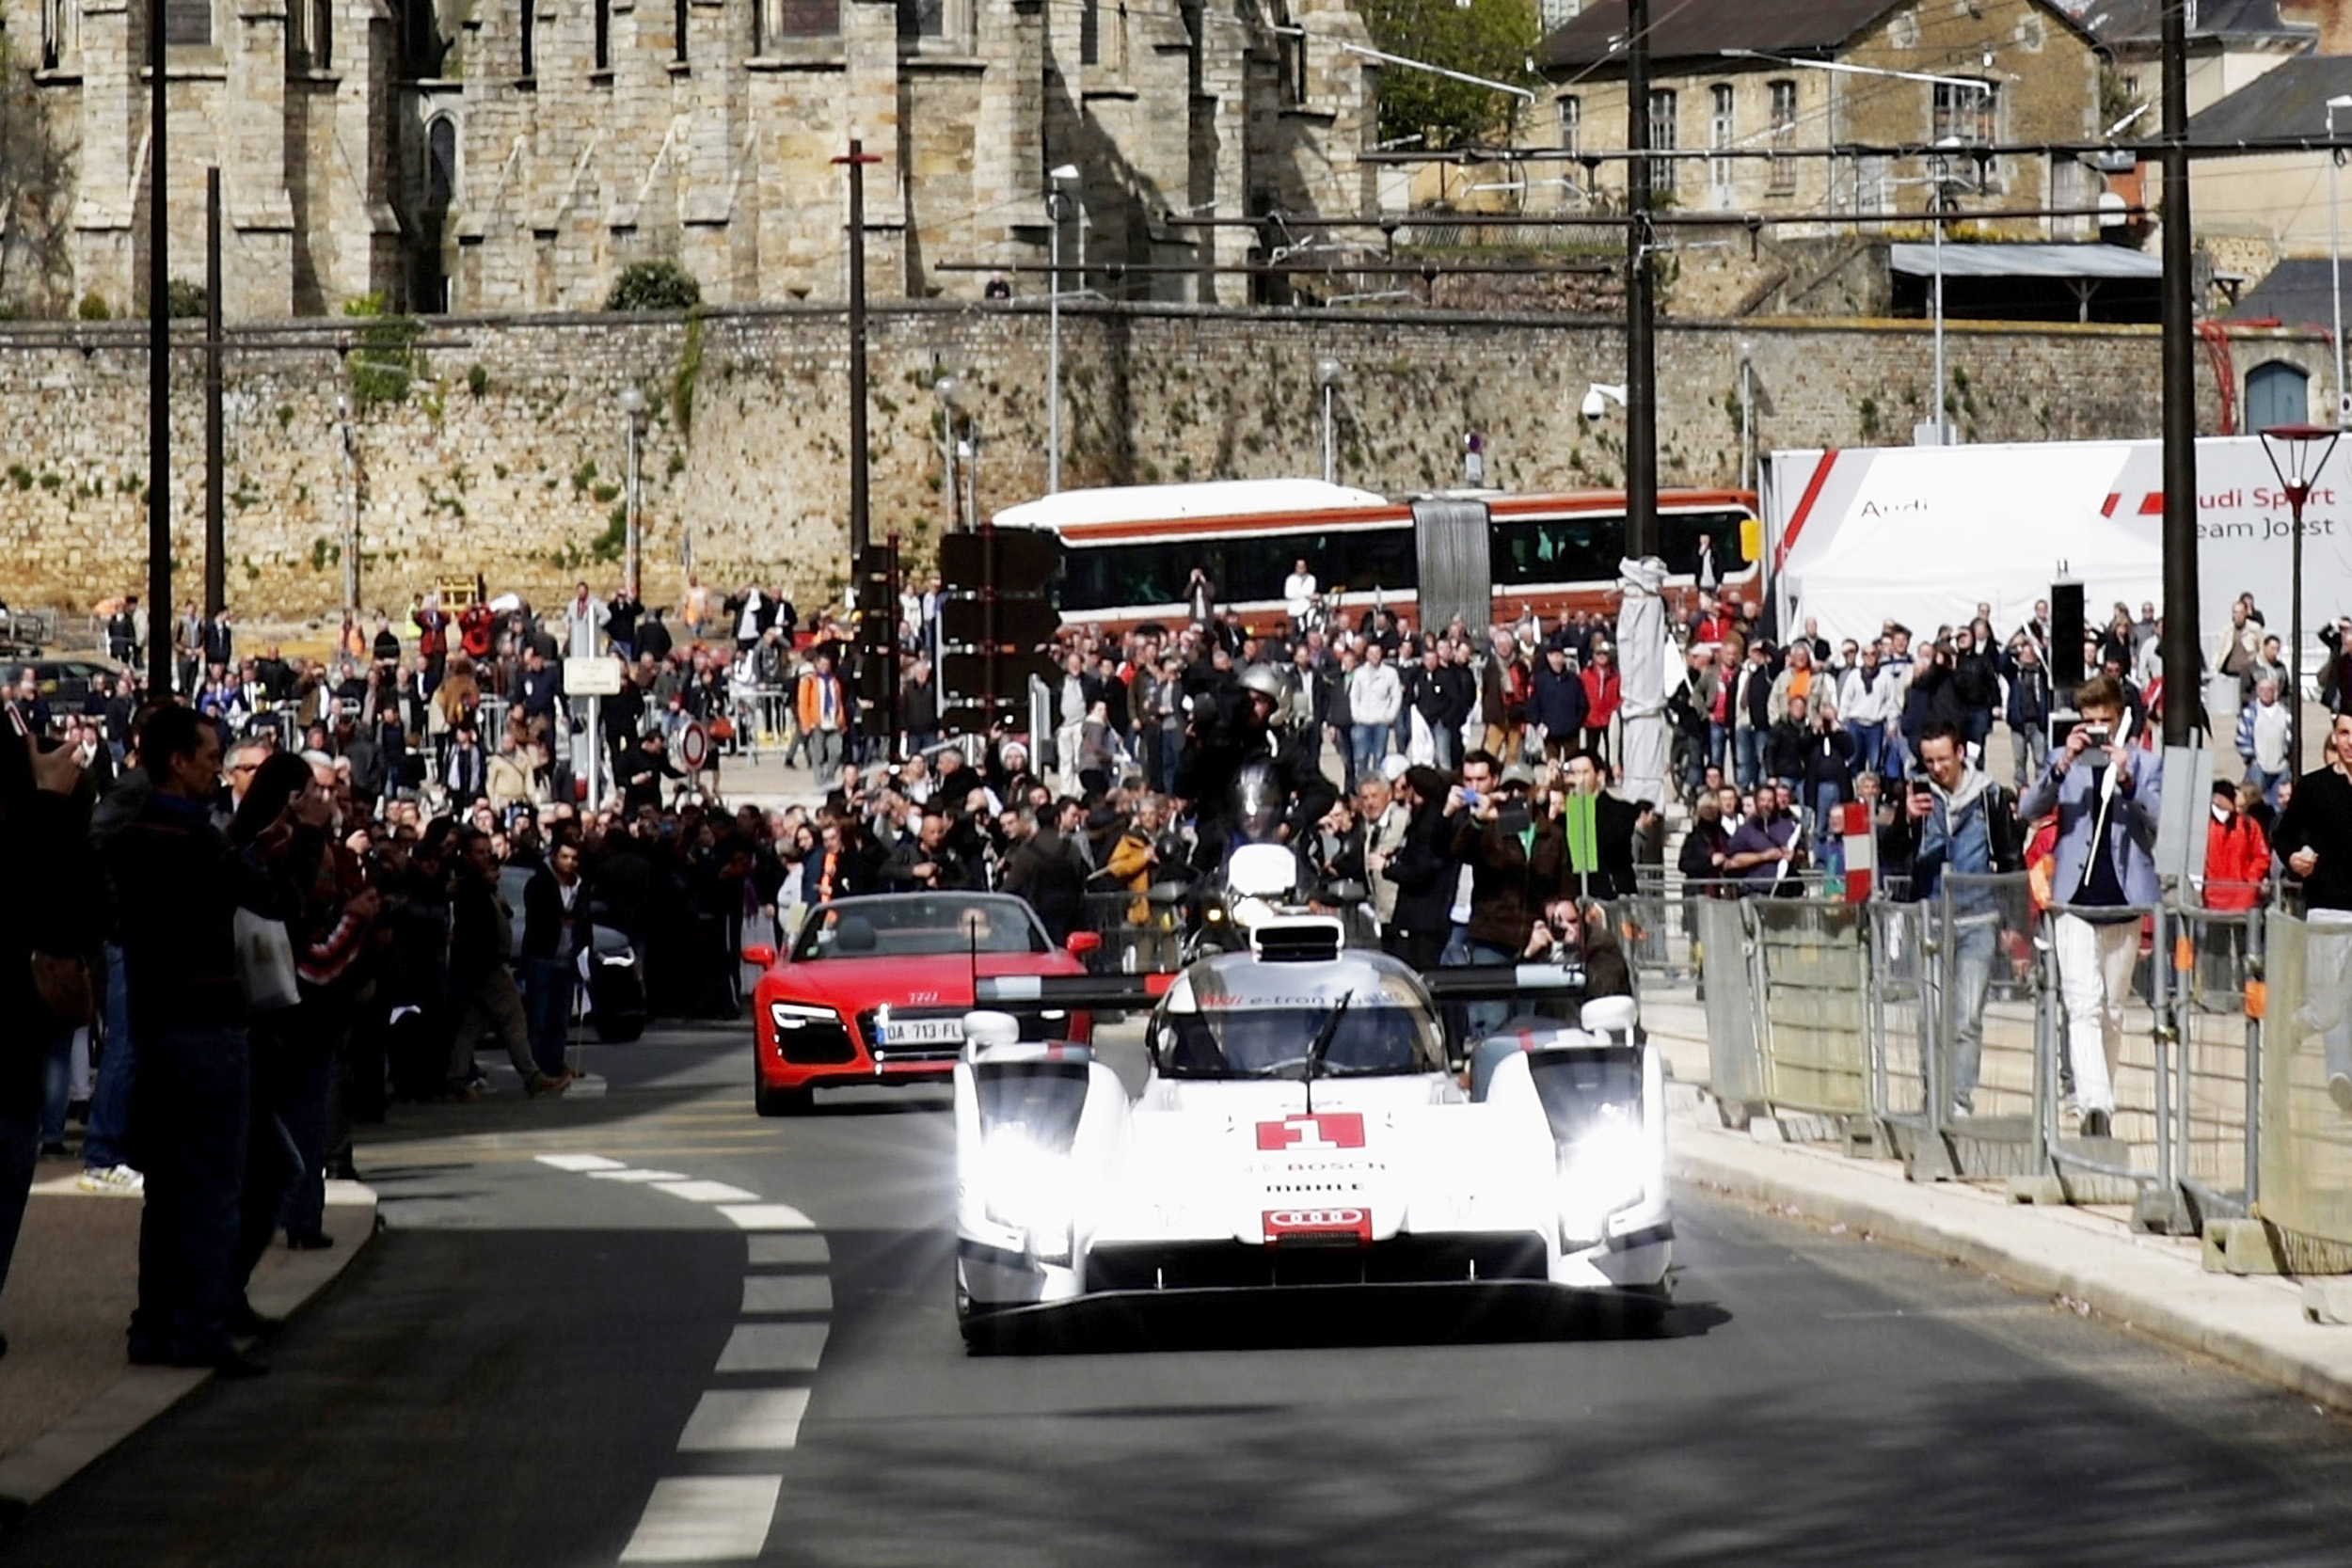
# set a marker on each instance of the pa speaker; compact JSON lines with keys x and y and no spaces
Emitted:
{"x":2066,"y":639}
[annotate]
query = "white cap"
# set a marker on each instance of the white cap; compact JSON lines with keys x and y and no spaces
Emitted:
{"x":1395,"y":768}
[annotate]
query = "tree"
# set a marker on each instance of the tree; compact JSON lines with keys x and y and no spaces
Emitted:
{"x":654,"y":286}
{"x":1493,"y":38}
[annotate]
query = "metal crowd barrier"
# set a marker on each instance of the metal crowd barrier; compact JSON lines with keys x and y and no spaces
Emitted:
{"x":2217,"y":989}
{"x":2303,"y":1194}
{"x":1787,"y":1025}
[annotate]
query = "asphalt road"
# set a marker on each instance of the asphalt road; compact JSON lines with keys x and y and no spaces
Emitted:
{"x":538,"y":1365}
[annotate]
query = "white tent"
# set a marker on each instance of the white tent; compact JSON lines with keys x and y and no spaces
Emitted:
{"x":1925,"y":542}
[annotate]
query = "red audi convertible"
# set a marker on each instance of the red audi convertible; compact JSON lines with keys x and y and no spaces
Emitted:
{"x":875,"y":988}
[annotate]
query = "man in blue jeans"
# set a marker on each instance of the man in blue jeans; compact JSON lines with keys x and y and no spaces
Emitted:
{"x":1968,"y":825}
{"x":552,"y":915}
{"x":177,"y":887}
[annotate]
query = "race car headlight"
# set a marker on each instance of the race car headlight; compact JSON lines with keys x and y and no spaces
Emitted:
{"x":799,"y":1014}
{"x":1604,"y":1171}
{"x":1253,"y":911}
{"x":1027,"y":1187}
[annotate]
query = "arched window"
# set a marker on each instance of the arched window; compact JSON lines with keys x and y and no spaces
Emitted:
{"x":440,"y":163}
{"x":2277,"y":393}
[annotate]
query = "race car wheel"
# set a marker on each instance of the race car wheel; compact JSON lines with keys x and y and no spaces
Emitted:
{"x":782,"y":1102}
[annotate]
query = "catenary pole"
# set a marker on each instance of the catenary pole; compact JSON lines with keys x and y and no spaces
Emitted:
{"x":216,"y":455}
{"x":2184,"y":699}
{"x":159,"y":614}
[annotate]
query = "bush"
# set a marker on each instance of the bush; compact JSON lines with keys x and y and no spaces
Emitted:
{"x":183,"y":298}
{"x":655,"y":286}
{"x":94,"y":308}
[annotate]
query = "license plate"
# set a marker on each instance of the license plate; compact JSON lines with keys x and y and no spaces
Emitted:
{"x":920,"y":1031}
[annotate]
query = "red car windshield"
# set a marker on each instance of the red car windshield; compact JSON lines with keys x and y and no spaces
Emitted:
{"x":919,"y":926}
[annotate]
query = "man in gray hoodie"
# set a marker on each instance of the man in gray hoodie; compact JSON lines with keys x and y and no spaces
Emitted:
{"x":1968,"y":827}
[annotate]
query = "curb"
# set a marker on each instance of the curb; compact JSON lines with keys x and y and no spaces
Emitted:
{"x":80,"y":1437}
{"x":2253,"y":1324}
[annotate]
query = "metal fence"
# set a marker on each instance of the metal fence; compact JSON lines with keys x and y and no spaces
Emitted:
{"x":1979,"y":1037}
{"x":2304,"y":1187}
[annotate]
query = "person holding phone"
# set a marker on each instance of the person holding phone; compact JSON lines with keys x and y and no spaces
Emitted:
{"x":2109,"y":795}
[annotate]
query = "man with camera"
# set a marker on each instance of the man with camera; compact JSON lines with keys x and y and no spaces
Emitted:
{"x":2109,"y":795}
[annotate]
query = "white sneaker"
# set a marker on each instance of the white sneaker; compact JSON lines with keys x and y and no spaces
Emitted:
{"x":112,"y":1182}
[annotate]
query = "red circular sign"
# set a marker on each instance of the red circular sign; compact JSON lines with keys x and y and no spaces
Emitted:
{"x":693,"y":745}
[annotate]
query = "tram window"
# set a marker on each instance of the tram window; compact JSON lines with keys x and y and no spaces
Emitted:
{"x":1242,"y":570}
{"x":1678,"y":540}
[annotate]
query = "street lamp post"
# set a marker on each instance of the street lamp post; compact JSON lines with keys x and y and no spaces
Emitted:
{"x":2297,"y":452}
{"x":1327,"y":377}
{"x":2335,"y":259}
{"x":949,"y":392}
{"x":1057,"y":207}
{"x":633,"y":415}
{"x":350,"y":510}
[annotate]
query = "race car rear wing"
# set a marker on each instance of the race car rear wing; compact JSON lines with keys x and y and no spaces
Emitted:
{"x":1500,"y":982}
{"x":1104,"y":993}
{"x":1137,"y":992}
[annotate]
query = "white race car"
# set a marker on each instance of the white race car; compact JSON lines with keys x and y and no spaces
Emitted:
{"x":1299,"y":1126}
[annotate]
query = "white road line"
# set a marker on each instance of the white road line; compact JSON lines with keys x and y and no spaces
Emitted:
{"x":789,"y":1247}
{"x":704,"y":1519}
{"x":768,"y":1216}
{"x":741,"y":1420}
{"x":786,"y":1292}
{"x":580,"y":1162}
{"x":636,"y":1176}
{"x":705,"y":1192}
{"x":773,"y":1348}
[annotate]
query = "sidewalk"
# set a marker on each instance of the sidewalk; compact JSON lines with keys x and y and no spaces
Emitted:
{"x":2087,"y":1260}
{"x":67,"y":1393}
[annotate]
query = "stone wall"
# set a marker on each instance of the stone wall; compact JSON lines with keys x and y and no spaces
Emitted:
{"x":505,"y":451}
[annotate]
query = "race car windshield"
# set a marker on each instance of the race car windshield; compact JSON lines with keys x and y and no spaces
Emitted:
{"x":1371,"y":1037}
{"x":919,"y":926}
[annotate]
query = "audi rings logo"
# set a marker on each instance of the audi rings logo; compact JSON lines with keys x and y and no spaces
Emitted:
{"x":1318,"y":1225}
{"x":1314,"y":1219}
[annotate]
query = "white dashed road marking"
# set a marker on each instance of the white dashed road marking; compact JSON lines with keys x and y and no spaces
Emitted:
{"x":705,"y":1192}
{"x":786,"y":1292}
{"x":766,"y":1216}
{"x":704,"y":1519}
{"x":731,"y":1420}
{"x":787,"y":1247}
{"x":720,"y":1518}
{"x":773,"y":1348}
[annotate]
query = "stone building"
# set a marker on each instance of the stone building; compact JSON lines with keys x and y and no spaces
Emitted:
{"x":516,"y":154}
{"x":1747,"y":80}
{"x":292,"y":100}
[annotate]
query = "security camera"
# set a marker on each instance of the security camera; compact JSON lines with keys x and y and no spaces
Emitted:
{"x":1593,"y":405}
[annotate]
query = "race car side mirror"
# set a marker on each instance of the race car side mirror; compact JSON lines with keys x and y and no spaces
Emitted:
{"x":1082,"y":942}
{"x":759,"y":954}
{"x":1609,"y":1015}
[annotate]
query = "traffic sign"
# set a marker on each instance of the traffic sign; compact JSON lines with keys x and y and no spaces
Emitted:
{"x":1019,"y":623}
{"x":599,"y":677}
{"x":693,"y":745}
